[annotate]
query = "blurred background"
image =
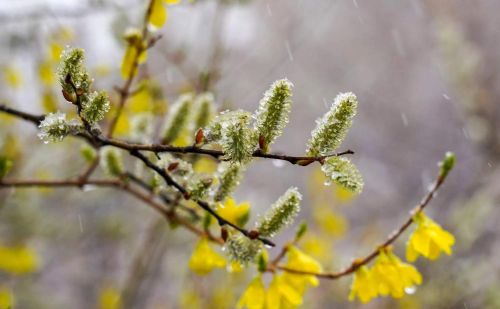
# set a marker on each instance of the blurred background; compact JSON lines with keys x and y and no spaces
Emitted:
{"x":427,"y":76}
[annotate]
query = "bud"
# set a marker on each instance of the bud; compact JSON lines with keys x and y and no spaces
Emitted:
{"x":447,"y":164}
{"x":281,"y":213}
{"x":332,"y":128}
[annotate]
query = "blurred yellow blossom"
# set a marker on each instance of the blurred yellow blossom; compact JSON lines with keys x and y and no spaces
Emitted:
{"x":393,"y":275}
{"x":428,"y":239}
{"x":301,"y":261}
{"x":131,"y":58}
{"x":234,"y":213}
{"x":6,"y":298}
{"x":329,"y":221}
{"x":109,"y":298}
{"x":364,"y":286}
{"x":12,"y":76}
{"x":254,"y":296}
{"x":46,"y":73}
{"x":18,"y":260}
{"x":205,"y":165}
{"x":56,"y":50}
{"x":49,"y":102}
{"x":204,"y":259}
{"x":159,"y":14}
{"x":281,"y":294}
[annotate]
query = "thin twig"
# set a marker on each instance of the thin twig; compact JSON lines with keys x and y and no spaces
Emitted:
{"x":357,"y":263}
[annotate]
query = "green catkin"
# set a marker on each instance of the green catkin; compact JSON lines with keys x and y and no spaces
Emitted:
{"x":95,"y":107}
{"x":229,"y":176}
{"x":199,"y":186}
{"x":54,"y":127}
{"x":272,"y":115}
{"x":281,"y":213}
{"x":111,"y":161}
{"x":242,"y":249}
{"x":204,"y":106}
{"x":332,"y":128}
{"x":71,"y":65}
{"x":177,"y":118}
{"x":342,"y":172}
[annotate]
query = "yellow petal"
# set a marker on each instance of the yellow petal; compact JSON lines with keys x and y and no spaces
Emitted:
{"x":46,"y":73}
{"x":128,"y":62}
{"x":109,"y":298}
{"x":204,"y":259}
{"x":158,"y":14}
{"x":6,"y":297}
{"x":55,"y":52}
{"x":13,"y":77}
{"x":172,"y":1}
{"x":18,"y":260}
{"x":254,"y":296}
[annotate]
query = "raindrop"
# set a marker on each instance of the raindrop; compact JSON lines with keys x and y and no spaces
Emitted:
{"x":405,"y":120}
{"x":289,"y":50}
{"x":80,"y":222}
{"x":446,"y":97}
{"x":398,"y":42}
{"x":410,"y":290}
{"x":269,"y":10}
{"x":489,"y":164}
{"x":87,"y":188}
{"x":278,"y":163}
{"x":327,"y":182}
{"x":268,"y":246}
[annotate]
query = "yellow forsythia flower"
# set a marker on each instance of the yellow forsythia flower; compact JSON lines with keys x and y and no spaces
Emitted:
{"x":109,"y":298}
{"x":428,"y":239}
{"x":56,"y":50}
{"x":158,"y":15}
{"x":18,"y":260}
{"x":205,"y":165}
{"x":237,"y":214}
{"x":393,"y":275}
{"x":135,"y":43}
{"x":364,"y":286}
{"x":281,"y":294}
{"x":204,"y":259}
{"x":12,"y":76}
{"x":301,"y":261}
{"x":49,"y":102}
{"x":6,"y":298}
{"x":254,"y":296}
{"x":46,"y":73}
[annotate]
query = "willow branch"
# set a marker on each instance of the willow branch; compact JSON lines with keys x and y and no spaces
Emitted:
{"x":157,"y":148}
{"x":357,"y":263}
{"x":168,"y":214}
{"x":204,"y":205}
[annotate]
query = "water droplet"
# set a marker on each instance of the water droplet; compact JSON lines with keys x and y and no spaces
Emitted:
{"x":269,"y":12}
{"x":446,"y":97}
{"x":289,"y":50}
{"x":278,"y":163}
{"x":410,"y":290}
{"x":87,"y":188}
{"x":268,"y":246}
{"x":328,"y":182}
{"x":405,"y":120}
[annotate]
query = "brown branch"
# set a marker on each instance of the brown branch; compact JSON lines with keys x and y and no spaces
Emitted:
{"x":124,"y":91}
{"x":157,"y":148}
{"x":148,"y":200}
{"x":357,"y":263}
{"x":204,"y":205}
